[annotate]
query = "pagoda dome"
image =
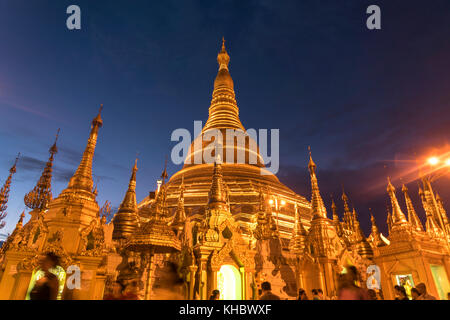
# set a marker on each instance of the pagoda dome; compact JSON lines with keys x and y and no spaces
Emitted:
{"x":243,"y":179}
{"x":223,"y":78}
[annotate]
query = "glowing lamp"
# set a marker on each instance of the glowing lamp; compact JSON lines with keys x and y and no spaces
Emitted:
{"x":433,"y":161}
{"x":271,"y":201}
{"x":283,"y":202}
{"x":447,"y":162}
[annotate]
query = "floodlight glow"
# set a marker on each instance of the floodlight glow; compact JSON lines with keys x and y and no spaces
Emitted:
{"x":433,"y":161}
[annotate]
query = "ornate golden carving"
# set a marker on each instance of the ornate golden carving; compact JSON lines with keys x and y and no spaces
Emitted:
{"x":92,"y":240}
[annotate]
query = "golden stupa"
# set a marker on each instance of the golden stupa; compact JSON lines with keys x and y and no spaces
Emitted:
{"x":244,"y":180}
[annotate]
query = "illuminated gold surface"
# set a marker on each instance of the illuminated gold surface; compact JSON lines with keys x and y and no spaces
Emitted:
{"x":41,"y":195}
{"x":210,"y":215}
{"x":243,"y":180}
{"x":126,"y":220}
{"x":4,"y":191}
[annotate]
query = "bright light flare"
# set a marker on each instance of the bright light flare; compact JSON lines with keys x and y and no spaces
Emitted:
{"x":283,"y":202}
{"x":447,"y":162}
{"x":271,"y":201}
{"x":434,"y":161}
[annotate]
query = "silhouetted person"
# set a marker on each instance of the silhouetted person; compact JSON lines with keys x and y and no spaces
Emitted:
{"x":348,"y":289}
{"x":315,"y":294}
{"x":415,"y":294}
{"x":302,"y":295}
{"x":169,"y":284}
{"x":321,"y":296}
{"x":46,"y":288}
{"x":396,"y":292}
{"x":131,"y":291}
{"x":372,"y":294}
{"x":116,"y":292}
{"x":215,"y":295}
{"x":400,"y":292}
{"x":267,"y":292}
{"x":423,"y":292}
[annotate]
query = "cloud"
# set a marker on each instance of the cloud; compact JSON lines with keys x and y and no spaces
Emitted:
{"x":27,"y":109}
{"x":28,"y":164}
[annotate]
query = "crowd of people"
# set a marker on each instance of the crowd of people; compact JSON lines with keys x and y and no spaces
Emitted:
{"x":348,"y":289}
{"x":120,"y":291}
{"x":170,"y":285}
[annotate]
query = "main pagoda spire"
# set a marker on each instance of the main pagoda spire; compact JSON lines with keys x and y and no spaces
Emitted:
{"x":41,"y":195}
{"x":4,"y":192}
{"x":223,"y":111}
{"x":317,"y":206}
{"x":82,"y":179}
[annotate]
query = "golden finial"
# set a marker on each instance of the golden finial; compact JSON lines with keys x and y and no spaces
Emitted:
{"x":344,"y":195}
{"x":53,"y":148}
{"x":13,"y":168}
{"x":136,"y":161}
{"x":311,"y":164}
{"x":223,"y":44}
{"x":404,"y":188}
{"x":17,"y":159}
{"x":223,"y":58}
{"x":164,"y":174}
{"x":333,"y":204}
{"x":98,"y":119}
{"x":41,"y":195}
{"x":82,"y":178}
{"x":390,"y":187}
{"x":4,"y":192}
